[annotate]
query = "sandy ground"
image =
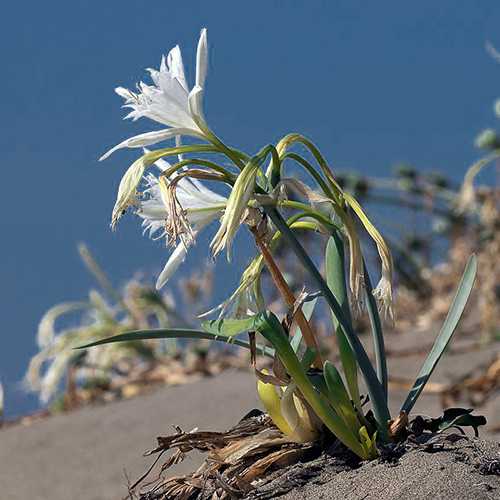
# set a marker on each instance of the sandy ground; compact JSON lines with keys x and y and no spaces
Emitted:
{"x":84,"y":455}
{"x":436,"y":469}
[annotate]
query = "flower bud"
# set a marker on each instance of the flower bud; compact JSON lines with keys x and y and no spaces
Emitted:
{"x":496,"y":107}
{"x":488,"y":139}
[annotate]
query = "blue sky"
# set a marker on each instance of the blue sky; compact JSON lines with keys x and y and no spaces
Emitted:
{"x":372,"y":83}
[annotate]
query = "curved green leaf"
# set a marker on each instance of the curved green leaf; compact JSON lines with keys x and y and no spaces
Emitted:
{"x":449,"y":325}
{"x":377,"y":333}
{"x":335,"y":279}
{"x":173,"y":333}
{"x":228,"y":327}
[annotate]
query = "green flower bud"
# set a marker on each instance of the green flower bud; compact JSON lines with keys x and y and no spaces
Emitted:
{"x":496,"y":107}
{"x":406,"y":171}
{"x":488,"y":139}
{"x":438,"y":180}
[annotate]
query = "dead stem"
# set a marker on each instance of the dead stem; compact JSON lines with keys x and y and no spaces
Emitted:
{"x":288,"y":295}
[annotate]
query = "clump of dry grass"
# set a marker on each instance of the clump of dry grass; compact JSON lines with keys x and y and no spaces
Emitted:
{"x":480,"y":236}
{"x":237,"y":460}
{"x":121,"y":371}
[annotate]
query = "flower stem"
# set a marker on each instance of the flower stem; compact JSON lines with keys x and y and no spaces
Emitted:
{"x":322,"y":184}
{"x":291,"y":139}
{"x":230,"y":153}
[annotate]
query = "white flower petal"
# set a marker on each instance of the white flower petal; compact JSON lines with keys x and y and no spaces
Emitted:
{"x":125,"y":93}
{"x":204,"y":217}
{"x":177,"y":257}
{"x":202,"y":59}
{"x":169,"y":101}
{"x":175,"y":260}
{"x":176,"y":67}
{"x":147,"y":139}
{"x":195,"y":101}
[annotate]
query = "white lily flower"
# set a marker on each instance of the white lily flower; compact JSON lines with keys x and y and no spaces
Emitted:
{"x":200,"y":204}
{"x":169,"y":101}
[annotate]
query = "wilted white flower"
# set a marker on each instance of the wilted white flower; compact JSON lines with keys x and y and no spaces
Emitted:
{"x":383,"y":291}
{"x":248,"y":291}
{"x":236,"y":206}
{"x":169,"y":101}
{"x":200,"y":204}
{"x":356,"y":272}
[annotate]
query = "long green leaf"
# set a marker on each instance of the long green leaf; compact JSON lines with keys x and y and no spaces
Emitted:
{"x":335,"y":279}
{"x":449,"y":325}
{"x":173,"y":333}
{"x":339,"y":395}
{"x":307,"y":310}
{"x":377,"y":334}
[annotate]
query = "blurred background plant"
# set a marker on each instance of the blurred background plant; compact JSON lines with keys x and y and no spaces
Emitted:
{"x":69,"y":379}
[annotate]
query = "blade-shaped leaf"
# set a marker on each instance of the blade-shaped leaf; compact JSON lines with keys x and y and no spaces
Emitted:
{"x":308,"y":359}
{"x":336,"y":281}
{"x":377,"y":333}
{"x":228,"y":327}
{"x":307,"y":309}
{"x":450,"y":323}
{"x":173,"y":334}
{"x":339,"y":396}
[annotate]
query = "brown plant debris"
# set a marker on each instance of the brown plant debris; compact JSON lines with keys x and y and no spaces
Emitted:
{"x":475,"y":388}
{"x":237,"y":460}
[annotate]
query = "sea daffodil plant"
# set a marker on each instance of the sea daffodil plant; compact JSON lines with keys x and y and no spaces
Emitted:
{"x":304,"y":398}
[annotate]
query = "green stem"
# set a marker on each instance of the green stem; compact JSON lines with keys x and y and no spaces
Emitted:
{"x":322,"y":184}
{"x":179,"y":150}
{"x":307,"y":212}
{"x":297,"y":138}
{"x":234,"y":155}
